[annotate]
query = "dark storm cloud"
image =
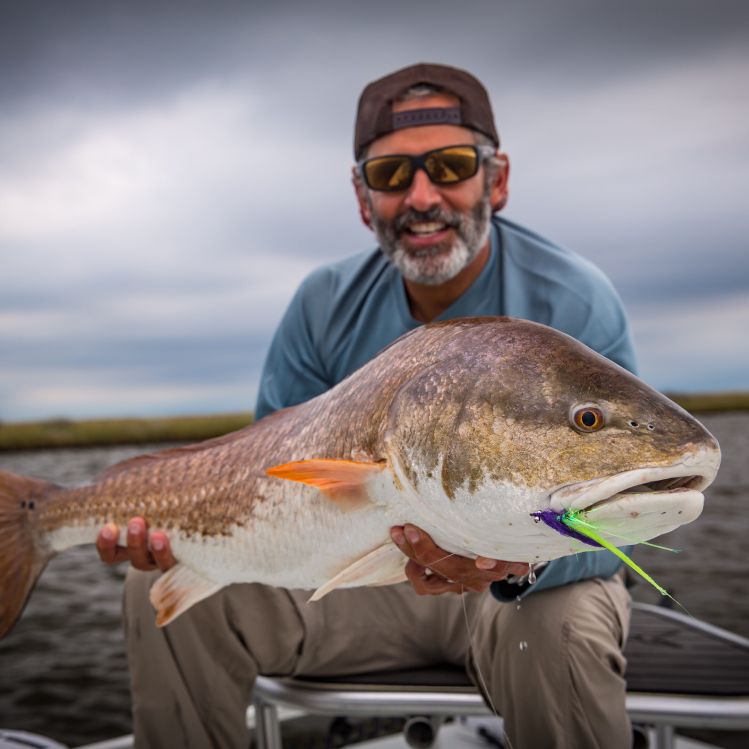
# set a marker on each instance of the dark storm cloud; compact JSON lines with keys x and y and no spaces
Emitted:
{"x":144,"y":48}
{"x":139,"y":49}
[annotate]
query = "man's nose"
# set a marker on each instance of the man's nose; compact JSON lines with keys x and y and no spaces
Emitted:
{"x":423,"y":193}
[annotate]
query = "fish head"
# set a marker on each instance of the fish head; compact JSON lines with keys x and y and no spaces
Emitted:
{"x":514,"y":418}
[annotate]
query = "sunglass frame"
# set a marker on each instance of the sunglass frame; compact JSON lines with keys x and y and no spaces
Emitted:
{"x":418,"y":161}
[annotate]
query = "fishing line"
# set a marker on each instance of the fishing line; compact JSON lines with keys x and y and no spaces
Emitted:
{"x":442,"y":559}
{"x":482,"y":681}
{"x":428,"y":569}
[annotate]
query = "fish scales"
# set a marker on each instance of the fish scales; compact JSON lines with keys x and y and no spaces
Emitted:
{"x":465,"y":428}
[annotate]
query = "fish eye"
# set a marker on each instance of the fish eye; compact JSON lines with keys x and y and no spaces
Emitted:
{"x":587,"y":418}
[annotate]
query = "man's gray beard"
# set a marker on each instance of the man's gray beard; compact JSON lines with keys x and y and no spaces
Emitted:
{"x":434,"y":266}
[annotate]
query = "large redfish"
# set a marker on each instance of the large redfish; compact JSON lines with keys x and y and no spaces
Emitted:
{"x":472,"y":429}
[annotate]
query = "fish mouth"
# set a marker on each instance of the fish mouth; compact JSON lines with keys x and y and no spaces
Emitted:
{"x":643,"y":503}
{"x":693,"y":474}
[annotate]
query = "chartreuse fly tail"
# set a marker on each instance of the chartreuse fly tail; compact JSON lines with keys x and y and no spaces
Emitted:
{"x":576,"y":515}
{"x":575,"y":523}
{"x":658,"y":546}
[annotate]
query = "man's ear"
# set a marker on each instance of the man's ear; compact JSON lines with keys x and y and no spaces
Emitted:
{"x":500,"y":190}
{"x":361,"y":198}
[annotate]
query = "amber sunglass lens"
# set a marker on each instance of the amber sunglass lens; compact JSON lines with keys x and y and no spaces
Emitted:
{"x":452,"y":164}
{"x":388,"y":173}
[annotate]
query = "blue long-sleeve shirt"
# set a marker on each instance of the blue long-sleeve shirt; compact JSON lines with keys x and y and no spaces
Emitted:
{"x":345,"y":312}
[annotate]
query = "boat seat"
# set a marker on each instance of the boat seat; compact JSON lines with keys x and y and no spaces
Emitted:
{"x":681,"y":673}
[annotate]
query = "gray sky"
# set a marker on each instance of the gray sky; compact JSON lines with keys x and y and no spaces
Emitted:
{"x":169,"y":172}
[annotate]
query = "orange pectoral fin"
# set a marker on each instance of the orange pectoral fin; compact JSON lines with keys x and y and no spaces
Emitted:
{"x":342,"y":481}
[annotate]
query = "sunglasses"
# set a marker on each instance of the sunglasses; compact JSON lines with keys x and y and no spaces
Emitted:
{"x":444,"y":166}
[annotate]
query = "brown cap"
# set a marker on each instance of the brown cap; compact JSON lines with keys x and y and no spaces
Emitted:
{"x":375,"y":116}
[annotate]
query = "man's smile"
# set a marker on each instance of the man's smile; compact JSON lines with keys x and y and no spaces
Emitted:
{"x":425,"y":233}
{"x":426,"y":227}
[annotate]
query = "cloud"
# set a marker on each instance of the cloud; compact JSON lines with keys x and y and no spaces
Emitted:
{"x":167,"y":177}
{"x":685,"y":346}
{"x":88,"y":398}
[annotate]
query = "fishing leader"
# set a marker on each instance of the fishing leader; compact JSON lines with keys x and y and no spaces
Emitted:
{"x":429,"y":180}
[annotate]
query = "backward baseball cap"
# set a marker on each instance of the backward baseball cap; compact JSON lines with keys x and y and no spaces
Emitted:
{"x":375,"y":117}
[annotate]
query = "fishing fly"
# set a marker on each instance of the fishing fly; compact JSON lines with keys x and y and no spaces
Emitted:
{"x":572,"y":523}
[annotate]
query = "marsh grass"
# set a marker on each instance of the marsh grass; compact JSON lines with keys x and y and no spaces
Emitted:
{"x":712,"y":402}
{"x":96,"y":432}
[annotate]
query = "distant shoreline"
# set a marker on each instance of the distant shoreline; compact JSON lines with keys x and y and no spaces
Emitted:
{"x":61,"y":432}
{"x":33,"y":435}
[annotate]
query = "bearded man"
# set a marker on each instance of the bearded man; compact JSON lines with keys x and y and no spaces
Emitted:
{"x":429,"y":179}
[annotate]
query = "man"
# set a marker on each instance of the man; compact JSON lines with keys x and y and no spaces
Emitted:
{"x":428,"y":178}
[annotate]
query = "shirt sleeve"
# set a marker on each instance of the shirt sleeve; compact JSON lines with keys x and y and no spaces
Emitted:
{"x":293,"y":371}
{"x":606,"y":329}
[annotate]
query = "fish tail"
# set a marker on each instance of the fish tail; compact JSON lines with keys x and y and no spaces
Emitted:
{"x":23,"y":553}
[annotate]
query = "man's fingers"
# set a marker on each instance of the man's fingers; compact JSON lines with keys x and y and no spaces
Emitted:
{"x":420,"y":547}
{"x":452,"y":573}
{"x":500,"y":569}
{"x":137,"y":545}
{"x":143,"y":551}
{"x":162,"y":551}
{"x":121,"y":554}
{"x":106,"y":543}
{"x":426,"y":584}
{"x":110,"y":552}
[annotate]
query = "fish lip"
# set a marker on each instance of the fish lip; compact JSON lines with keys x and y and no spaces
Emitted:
{"x":697,"y":470}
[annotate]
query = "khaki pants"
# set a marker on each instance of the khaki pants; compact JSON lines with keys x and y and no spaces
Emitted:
{"x":552,"y":665}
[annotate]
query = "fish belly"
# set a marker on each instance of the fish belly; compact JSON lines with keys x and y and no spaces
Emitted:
{"x":291,"y":556}
{"x":302,"y":554}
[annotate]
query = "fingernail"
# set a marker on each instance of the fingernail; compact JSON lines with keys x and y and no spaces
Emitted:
{"x":108,"y":532}
{"x":133,"y":528}
{"x":486,"y":564}
{"x":157,"y":544}
{"x":397,"y":535}
{"x":412,"y":535}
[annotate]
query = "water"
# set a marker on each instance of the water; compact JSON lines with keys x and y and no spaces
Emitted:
{"x":63,"y":671}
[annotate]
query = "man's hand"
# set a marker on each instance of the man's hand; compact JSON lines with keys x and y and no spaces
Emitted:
{"x":450,"y":573}
{"x":144,"y":551}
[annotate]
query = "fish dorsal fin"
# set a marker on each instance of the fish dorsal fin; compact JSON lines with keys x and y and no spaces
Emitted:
{"x":384,"y":565}
{"x":342,"y":481}
{"x":178,"y":589}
